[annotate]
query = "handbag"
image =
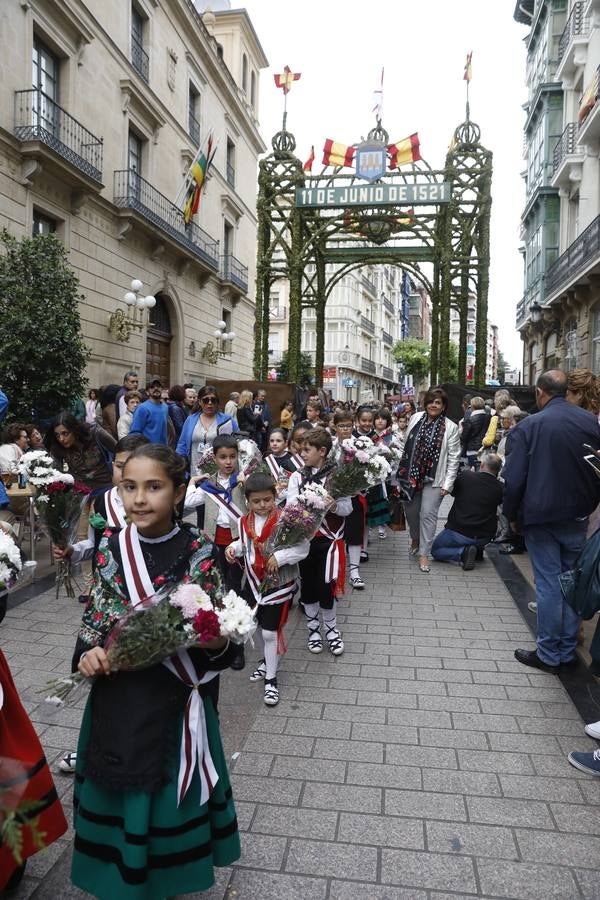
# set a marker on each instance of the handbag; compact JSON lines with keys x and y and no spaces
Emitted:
{"x":397,"y":517}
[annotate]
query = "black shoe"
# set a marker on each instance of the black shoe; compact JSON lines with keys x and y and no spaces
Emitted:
{"x":83,"y":598}
{"x":239,"y":660}
{"x":512,"y":550}
{"x":468,"y":557}
{"x":530,"y":658}
{"x":571,"y":663}
{"x":479,"y":557}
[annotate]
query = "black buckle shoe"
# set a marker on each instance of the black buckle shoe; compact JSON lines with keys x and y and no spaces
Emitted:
{"x":239,"y":660}
{"x":530,"y":658}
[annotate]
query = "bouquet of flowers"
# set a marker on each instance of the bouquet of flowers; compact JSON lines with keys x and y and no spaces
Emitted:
{"x":60,"y":502}
{"x":249,"y":458}
{"x":10,"y":560}
{"x":361,"y":466}
{"x":207,"y":464}
{"x":17,"y":815}
{"x":178,"y":619}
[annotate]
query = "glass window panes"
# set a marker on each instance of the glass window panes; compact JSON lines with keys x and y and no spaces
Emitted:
{"x":134,"y":160}
{"x":137,"y":26}
{"x":42,"y":224}
{"x":45,"y":70}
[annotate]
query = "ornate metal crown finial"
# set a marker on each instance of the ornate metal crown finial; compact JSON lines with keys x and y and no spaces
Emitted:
{"x":283,"y":142}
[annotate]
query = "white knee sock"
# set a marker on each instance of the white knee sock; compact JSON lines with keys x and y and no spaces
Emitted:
{"x":354,"y":555}
{"x":329,"y":618}
{"x":270,"y":642}
{"x":312,"y":612}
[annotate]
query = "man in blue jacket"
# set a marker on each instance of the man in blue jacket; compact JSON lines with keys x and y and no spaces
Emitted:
{"x":150,"y":418}
{"x":549,"y":493}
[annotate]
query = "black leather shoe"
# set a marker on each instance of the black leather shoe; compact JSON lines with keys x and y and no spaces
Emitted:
{"x":479,"y":557}
{"x":571,"y":663}
{"x":512,"y":550}
{"x":239,"y":660}
{"x":468,"y":557}
{"x":530,"y":658}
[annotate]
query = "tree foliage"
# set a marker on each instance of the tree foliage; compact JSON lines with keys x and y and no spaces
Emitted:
{"x":415,"y":356}
{"x":42,"y":364}
{"x":306,"y":376}
{"x":453,"y":363}
{"x":501,"y":366}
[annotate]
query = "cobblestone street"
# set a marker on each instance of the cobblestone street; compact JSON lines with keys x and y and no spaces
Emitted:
{"x":424,"y":763}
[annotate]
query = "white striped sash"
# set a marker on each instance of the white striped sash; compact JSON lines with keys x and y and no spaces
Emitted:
{"x":233,"y":511}
{"x":274,"y":467}
{"x":279,"y":594}
{"x":332,"y":563}
{"x":115,"y":512}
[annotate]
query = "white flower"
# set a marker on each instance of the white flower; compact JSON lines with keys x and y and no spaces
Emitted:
{"x":65,"y":477}
{"x":315,"y":496}
{"x":236,"y":619}
{"x":361,"y":456}
{"x":9,"y":551}
{"x":190,"y":598}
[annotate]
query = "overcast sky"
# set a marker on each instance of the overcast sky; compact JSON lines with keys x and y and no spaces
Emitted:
{"x":340,"y":48}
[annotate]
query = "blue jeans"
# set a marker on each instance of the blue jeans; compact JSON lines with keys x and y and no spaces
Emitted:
{"x":553,"y":549}
{"x":449,"y":545}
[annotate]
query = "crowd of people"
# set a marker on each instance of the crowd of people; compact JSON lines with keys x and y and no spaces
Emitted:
{"x":141,"y":454}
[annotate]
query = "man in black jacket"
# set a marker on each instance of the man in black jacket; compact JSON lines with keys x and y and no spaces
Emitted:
{"x":473,"y":519}
{"x":549,"y":493}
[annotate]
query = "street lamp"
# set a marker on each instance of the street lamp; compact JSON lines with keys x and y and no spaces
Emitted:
{"x":123,"y":322}
{"x":223,"y":347}
{"x":536,"y":312}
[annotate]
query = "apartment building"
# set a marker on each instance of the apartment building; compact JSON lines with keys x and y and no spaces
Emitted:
{"x":103,"y":105}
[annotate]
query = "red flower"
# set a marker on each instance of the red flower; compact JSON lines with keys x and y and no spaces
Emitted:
{"x":118,"y":579}
{"x":100,"y":559}
{"x":55,"y":487}
{"x":160,"y":580}
{"x":194,"y":545}
{"x":97,"y":617}
{"x":206,"y":625}
{"x":206,"y":565}
{"x":208,"y":587}
{"x":107,"y":532}
{"x":81,"y":488}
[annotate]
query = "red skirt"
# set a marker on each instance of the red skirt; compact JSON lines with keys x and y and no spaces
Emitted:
{"x":24,"y":775}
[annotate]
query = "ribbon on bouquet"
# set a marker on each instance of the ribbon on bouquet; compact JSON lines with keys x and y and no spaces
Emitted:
{"x":335,"y":563}
{"x":194,"y":750}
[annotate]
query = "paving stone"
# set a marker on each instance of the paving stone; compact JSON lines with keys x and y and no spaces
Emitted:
{"x":435,"y":688}
{"x":388,"y":734}
{"x":445,"y":675}
{"x":249,"y":885}
{"x":427,"y":870}
{"x":269,"y":725}
{"x":588,"y":882}
{"x":278,"y":820}
{"x":513,"y":707}
{"x":420,"y":718}
{"x":477,"y":690}
{"x":265,"y":790}
{"x":556,"y":767}
{"x":279,"y":743}
{"x":573,"y":818}
{"x":293,"y":708}
{"x":557,"y":848}
{"x":328,"y":695}
{"x":570,"y":727}
{"x":361,"y":751}
{"x":381,"y":831}
{"x":311,"y":769}
{"x":425,"y":805}
{"x":378,"y":775}
{"x":252,"y":763}
{"x":524,"y":743}
{"x":539,"y":788}
{"x":356,"y":713}
{"x":318,"y":728}
{"x":486,"y":761}
{"x":449,"y":704}
{"x":471,"y":740}
{"x":261,"y":851}
{"x":448,"y":781}
{"x":509,"y":812}
{"x":407,"y":755}
{"x":342,"y":797}
{"x":334,"y":860}
{"x":523,"y":881}
{"x":471,"y":840}
{"x":351,"y":890}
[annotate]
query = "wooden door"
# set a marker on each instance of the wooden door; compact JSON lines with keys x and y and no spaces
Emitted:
{"x":158,"y":344}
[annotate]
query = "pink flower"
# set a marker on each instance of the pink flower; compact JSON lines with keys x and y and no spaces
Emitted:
{"x":194,"y":545}
{"x":100,"y":559}
{"x":189,"y":598}
{"x":209,"y":587}
{"x":160,"y":580}
{"x":206,"y":565}
{"x":118,"y":579}
{"x":107,"y":532}
{"x":97,"y":617}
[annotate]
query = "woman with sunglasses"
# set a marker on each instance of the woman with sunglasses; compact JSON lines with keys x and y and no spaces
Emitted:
{"x":202,"y":426}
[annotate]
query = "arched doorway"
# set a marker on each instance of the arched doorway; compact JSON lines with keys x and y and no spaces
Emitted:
{"x":158,"y":342}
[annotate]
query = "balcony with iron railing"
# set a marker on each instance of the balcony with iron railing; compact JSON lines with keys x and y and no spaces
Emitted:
{"x":579,"y":259}
{"x":367,"y":365}
{"x":41,"y":123}
{"x":140,"y":59}
{"x":387,"y":337}
{"x":387,"y":373}
{"x":136,"y":196}
{"x":367,"y":325}
{"x":567,"y":160}
{"x":589,"y":112}
{"x":572,"y":46}
{"x":231,"y":175}
{"x":234,"y":272}
{"x":368,"y":285}
{"x":194,"y":128}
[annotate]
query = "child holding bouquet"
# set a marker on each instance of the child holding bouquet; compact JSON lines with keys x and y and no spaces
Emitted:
{"x":378,"y":511}
{"x":222,"y":496}
{"x":278,"y":570}
{"x":323,"y":568}
{"x":354,"y":526}
{"x":136,"y":833}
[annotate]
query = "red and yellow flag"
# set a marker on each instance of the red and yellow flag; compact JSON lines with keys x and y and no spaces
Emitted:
{"x":404,"y":151}
{"x":286,"y":79}
{"x":198,"y":171}
{"x":309,"y":162}
{"x":336,"y":154}
{"x":468,"y":67}
{"x":588,"y":101}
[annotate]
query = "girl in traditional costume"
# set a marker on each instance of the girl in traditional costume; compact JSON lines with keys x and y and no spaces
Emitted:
{"x":153,"y":810}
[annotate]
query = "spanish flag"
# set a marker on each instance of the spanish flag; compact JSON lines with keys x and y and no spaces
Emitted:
{"x":588,"y":101}
{"x":405,"y":151}
{"x":468,"y":68}
{"x":286,"y":79}
{"x":198,"y":171}
{"x":336,"y":154}
{"x":308,"y":164}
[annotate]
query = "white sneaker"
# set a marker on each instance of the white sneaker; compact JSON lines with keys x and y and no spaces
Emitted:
{"x":532,"y":606}
{"x":593,"y":730}
{"x":67,"y":763}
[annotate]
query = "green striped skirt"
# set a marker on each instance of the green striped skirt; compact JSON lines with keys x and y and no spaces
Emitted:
{"x":378,"y":507}
{"x":142,"y":846}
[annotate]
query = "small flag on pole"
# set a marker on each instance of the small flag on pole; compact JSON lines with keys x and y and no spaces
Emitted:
{"x":309,"y":162}
{"x":404,"y":151}
{"x":336,"y":154}
{"x":198,"y":171}
{"x":286,"y":79}
{"x":378,"y":100}
{"x":468,"y":68}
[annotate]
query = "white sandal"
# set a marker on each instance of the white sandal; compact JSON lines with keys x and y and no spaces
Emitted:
{"x":334,"y":640}
{"x":355,"y":580}
{"x":315,"y":641}
{"x":260,"y":671}
{"x":271,"y":692}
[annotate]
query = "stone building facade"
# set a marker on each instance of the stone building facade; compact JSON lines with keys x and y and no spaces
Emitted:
{"x":103,"y":104}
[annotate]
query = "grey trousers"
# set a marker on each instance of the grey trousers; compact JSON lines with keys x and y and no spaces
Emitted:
{"x":422,"y":516}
